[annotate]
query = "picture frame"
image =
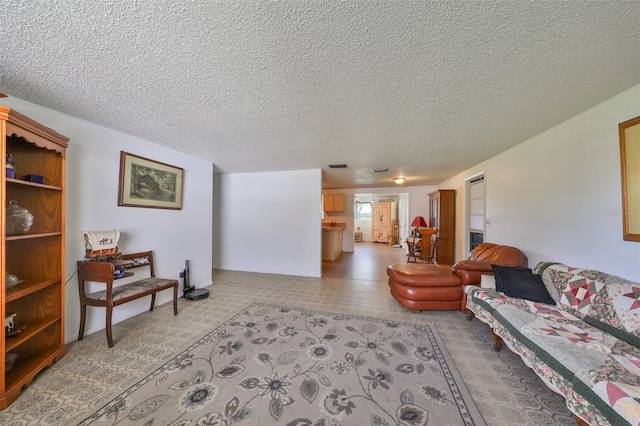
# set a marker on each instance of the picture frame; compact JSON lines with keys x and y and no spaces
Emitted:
{"x":629,"y":132}
{"x":149,"y":183}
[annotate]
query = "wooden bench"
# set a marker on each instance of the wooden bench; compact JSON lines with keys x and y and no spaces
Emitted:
{"x":105,"y":272}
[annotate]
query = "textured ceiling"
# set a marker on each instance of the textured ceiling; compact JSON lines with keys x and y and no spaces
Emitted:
{"x":427,"y":89}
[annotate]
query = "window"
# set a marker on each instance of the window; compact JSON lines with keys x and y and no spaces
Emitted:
{"x":476,"y":204}
{"x":362,"y":210}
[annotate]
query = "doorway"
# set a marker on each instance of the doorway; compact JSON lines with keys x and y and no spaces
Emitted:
{"x":363,"y":212}
{"x":369,"y":260}
{"x":475,"y":211}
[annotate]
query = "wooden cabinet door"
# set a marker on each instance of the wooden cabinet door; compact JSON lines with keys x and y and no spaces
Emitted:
{"x":339,"y":202}
{"x":328,"y":203}
{"x":376,"y":217}
{"x":442,"y":216}
{"x":376,"y":222}
{"x":385,"y":213}
{"x":334,"y":202}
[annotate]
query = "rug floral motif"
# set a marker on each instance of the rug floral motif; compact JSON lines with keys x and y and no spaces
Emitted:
{"x":279,"y":365}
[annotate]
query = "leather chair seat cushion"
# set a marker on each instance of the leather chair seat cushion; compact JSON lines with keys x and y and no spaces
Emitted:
{"x":423,"y":275}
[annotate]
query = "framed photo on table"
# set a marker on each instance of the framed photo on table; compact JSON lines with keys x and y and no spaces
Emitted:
{"x":149,"y":183}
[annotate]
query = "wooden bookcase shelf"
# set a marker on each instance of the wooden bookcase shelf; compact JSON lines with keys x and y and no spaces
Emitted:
{"x":37,"y":257}
{"x":27,"y":288}
{"x":32,"y":236}
{"x":33,"y":330}
{"x":22,"y":369}
{"x":11,"y":181}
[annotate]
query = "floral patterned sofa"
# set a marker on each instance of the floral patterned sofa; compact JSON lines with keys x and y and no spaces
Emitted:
{"x":585,"y":347}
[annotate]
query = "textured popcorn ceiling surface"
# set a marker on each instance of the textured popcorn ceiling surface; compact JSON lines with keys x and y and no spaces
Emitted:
{"x":426,"y":89}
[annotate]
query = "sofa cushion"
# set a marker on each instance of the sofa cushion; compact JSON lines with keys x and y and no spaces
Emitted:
{"x":525,"y":285}
{"x":603,"y":300}
{"x":488,"y":281}
{"x":500,"y":270}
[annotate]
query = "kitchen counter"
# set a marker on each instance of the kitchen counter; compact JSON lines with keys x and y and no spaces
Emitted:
{"x":333,"y":226}
{"x":332,"y":240}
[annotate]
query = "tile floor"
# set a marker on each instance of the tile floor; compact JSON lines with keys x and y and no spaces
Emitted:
{"x":504,"y":389}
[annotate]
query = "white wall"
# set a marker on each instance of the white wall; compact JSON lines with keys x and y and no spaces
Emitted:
{"x":365,"y":228}
{"x":93,"y":161}
{"x":269,"y":222}
{"x":557,"y":196}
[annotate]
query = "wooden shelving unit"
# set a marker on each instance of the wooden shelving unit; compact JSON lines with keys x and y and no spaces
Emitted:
{"x":36,"y":257}
{"x":442,"y":215}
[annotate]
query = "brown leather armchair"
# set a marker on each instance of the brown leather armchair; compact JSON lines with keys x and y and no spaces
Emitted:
{"x":440,"y":287}
{"x":482,"y":257}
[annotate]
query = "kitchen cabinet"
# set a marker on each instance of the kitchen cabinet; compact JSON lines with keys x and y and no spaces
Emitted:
{"x":334,"y":202}
{"x":383,"y":221}
{"x":442,"y":216}
{"x":34,"y":254}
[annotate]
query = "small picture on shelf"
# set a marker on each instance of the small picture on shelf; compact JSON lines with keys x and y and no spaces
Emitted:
{"x":10,"y":166}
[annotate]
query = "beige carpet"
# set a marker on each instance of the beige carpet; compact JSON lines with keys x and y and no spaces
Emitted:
{"x":505,"y":391}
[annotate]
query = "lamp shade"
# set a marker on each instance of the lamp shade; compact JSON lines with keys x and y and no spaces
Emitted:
{"x":419,"y":222}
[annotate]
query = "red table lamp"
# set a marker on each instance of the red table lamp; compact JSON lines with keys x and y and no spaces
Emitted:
{"x":418,"y":222}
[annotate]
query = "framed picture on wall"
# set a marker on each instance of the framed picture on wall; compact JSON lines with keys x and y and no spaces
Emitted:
{"x":630,"y":167}
{"x":149,"y":183}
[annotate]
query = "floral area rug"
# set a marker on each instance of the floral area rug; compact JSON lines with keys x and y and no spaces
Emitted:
{"x":279,"y":365}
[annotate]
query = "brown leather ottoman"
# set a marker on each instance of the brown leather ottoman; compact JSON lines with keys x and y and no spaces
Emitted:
{"x":421,"y":287}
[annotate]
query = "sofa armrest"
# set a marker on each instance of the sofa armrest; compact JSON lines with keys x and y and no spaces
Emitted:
{"x":470,"y":271}
{"x":473,"y":265}
{"x":470,"y":277}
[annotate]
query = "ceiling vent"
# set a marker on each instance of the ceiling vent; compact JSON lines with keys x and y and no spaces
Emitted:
{"x":380,"y":169}
{"x":338,"y":166}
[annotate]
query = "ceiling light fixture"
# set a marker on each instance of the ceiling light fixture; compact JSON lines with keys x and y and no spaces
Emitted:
{"x":398,"y":180}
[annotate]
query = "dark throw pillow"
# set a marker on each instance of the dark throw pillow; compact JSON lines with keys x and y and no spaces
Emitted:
{"x":525,"y":285}
{"x":497,"y":271}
